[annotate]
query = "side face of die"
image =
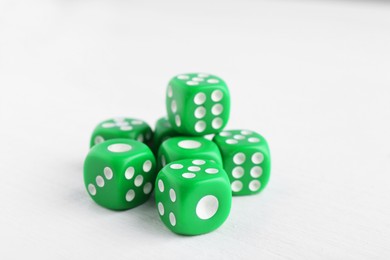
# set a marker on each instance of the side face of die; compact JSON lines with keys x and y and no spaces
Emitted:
{"x":180,"y":148}
{"x":127,"y":128}
{"x":119,"y":174}
{"x":197,"y":104}
{"x":193,"y":196}
{"x":162,"y":132}
{"x":246,"y":159}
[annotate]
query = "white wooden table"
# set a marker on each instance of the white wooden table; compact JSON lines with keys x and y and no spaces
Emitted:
{"x":311,"y":76}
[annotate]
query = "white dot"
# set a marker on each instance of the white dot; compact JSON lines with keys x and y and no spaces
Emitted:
{"x":176,"y":166}
{"x":188,"y":175}
{"x":207,"y":207}
{"x":253,"y":139}
{"x":172,"y":219}
{"x":140,"y":138}
{"x":257,"y":158}
{"x":197,"y":79}
{"x":198,"y":162}
{"x":236,"y":186}
{"x":137,"y":122}
{"x":246,"y":132}
{"x":160,"y":208}
{"x":147,"y":166}
{"x":92,"y":189}
{"x":173,"y":106}
{"x":119,"y":148}
{"x":200,"y":112}
{"x":122,"y":123}
{"x":224,"y":134}
{"x":217,"y":109}
{"x":170,"y":92}
{"x":130,"y":195}
{"x":200,"y":126}
{"x":183,"y":77}
{"x":161,"y":185}
{"x":212,"y":81}
{"x":147,"y":188}
{"x":203,"y":75}
{"x":231,"y":141}
{"x":239,"y":158}
{"x":163,"y":161}
{"x":172,"y":195}
{"x":129,"y":173}
{"x":238,"y":172}
{"x":99,"y":181}
{"x":217,"y":95}
{"x":209,"y":137}
{"x":178,"y":120}
{"x":211,"y":171}
{"x":256,"y":172}
{"x":239,"y":137}
{"x":254,"y":185}
{"x":126,"y":128}
{"x":192,"y":83}
{"x":189,"y":144}
{"x":108,"y":173}
{"x":108,"y":125}
{"x":99,"y":139}
{"x":200,"y":98}
{"x":194,"y":168}
{"x":138,"y":180}
{"x":217,"y":123}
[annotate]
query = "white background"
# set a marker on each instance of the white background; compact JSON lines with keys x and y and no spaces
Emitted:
{"x":311,"y":76}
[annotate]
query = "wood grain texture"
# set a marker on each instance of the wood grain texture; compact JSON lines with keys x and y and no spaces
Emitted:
{"x":312,"y":77}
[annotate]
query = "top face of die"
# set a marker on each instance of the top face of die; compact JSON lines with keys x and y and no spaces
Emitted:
{"x":119,"y":148}
{"x":121,"y":128}
{"x":234,"y":138}
{"x":197,"y":79}
{"x":198,"y":103}
{"x":189,"y":170}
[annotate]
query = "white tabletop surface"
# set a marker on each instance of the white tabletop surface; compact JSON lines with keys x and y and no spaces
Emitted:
{"x":311,"y":76}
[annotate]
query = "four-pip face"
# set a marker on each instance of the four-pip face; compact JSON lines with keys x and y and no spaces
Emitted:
{"x":197,"y":104}
{"x":121,"y":127}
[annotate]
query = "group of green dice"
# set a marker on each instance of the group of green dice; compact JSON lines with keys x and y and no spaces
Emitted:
{"x":195,"y":165}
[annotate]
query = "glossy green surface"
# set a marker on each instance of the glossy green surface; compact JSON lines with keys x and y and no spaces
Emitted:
{"x":179,"y":148}
{"x":197,"y":104}
{"x":193,"y":196}
{"x":128,"y":128}
{"x":162,"y":132}
{"x":119,"y":174}
{"x":246,"y":159}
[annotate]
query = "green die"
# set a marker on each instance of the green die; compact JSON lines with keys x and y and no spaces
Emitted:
{"x":162,"y":132}
{"x":246,"y":159}
{"x":193,"y":196}
{"x":119,"y":174}
{"x":179,"y":148}
{"x":129,"y":128}
{"x":198,"y":104}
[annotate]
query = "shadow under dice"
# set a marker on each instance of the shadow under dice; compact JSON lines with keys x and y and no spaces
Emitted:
{"x":179,"y":148}
{"x":198,"y":104}
{"x":193,"y":196}
{"x":122,"y":128}
{"x":163,"y":131}
{"x":246,"y":159}
{"x":119,"y":174}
